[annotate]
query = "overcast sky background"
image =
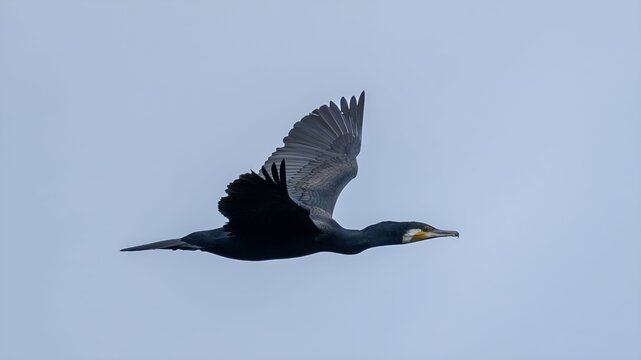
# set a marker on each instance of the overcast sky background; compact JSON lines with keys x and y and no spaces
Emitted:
{"x":519,"y":125}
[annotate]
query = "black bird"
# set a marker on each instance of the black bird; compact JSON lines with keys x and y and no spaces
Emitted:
{"x":285,"y":210}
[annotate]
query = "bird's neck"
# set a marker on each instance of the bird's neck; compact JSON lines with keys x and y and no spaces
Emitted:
{"x":381,"y":234}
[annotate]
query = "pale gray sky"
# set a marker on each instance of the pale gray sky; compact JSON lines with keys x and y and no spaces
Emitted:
{"x":517,"y":124}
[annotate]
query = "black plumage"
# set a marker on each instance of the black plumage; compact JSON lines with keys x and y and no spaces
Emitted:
{"x":251,"y":197}
{"x":286,"y":210}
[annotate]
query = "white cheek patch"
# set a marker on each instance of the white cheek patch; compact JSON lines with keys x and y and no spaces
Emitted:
{"x":409,"y":234}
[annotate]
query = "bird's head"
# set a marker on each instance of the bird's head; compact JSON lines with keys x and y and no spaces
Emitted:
{"x":416,"y":231}
{"x":388,"y":233}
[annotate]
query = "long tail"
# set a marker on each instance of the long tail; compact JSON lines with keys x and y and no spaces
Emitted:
{"x":173,"y":244}
{"x":199,"y":240}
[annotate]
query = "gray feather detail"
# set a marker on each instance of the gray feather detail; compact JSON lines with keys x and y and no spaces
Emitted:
{"x":320,"y":153}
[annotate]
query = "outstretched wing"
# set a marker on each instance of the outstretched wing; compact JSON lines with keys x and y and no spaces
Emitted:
{"x":321,"y":153}
{"x":260,"y":207}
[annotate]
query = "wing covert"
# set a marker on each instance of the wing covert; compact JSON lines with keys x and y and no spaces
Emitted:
{"x":260,"y":206}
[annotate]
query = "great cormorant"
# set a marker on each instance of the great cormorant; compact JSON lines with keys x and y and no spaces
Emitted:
{"x":285,"y":210}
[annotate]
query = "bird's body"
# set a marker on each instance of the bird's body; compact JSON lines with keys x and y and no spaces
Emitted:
{"x":285,"y":210}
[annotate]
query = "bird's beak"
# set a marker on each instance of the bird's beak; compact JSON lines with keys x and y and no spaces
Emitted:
{"x":441,"y":233}
{"x":434,"y":233}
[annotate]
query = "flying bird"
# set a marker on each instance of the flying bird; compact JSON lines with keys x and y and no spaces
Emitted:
{"x":285,"y":210}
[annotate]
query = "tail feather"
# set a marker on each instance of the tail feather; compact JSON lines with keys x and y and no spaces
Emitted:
{"x":173,"y":244}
